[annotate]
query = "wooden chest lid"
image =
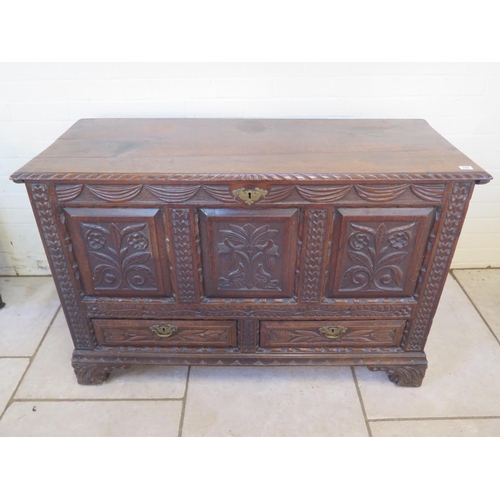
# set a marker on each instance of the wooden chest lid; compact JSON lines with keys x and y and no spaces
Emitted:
{"x":214,"y":150}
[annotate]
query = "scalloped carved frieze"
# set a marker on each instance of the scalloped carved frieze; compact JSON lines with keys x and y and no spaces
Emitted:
{"x":380,"y":194}
{"x":221,"y":193}
{"x":323,"y":194}
{"x":174,"y":194}
{"x":68,"y":192}
{"x":315,"y":194}
{"x":278,"y":193}
{"x":429,"y":192}
{"x":115,"y":193}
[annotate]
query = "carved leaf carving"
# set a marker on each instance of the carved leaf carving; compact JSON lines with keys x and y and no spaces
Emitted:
{"x":120,"y":256}
{"x":380,"y":255}
{"x":250,"y":252}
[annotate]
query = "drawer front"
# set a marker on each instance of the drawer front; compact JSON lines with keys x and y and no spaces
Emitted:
{"x":167,"y":333}
{"x":331,"y":333}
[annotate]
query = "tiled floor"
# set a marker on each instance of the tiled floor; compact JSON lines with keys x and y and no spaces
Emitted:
{"x":460,"y":395}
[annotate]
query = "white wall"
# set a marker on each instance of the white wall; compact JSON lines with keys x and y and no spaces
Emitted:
{"x":38,"y":102}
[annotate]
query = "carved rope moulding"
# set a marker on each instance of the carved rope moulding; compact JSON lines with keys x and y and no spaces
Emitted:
{"x":163,"y":177}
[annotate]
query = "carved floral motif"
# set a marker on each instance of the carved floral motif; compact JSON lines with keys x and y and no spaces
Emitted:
{"x":377,"y":256}
{"x":119,"y":256}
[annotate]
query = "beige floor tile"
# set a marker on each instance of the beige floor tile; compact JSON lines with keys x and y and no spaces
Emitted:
{"x":30,"y":306}
{"x":463,"y":374}
{"x":51,"y":376}
{"x":483,"y":287}
{"x":272,"y":401}
{"x":477,"y":427}
{"x":92,"y":418}
{"x":11,"y":371}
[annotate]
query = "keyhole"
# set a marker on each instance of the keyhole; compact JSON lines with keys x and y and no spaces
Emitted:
{"x":249,"y":196}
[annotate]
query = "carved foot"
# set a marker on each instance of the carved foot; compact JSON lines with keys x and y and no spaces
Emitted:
{"x":94,"y":374}
{"x":404,"y":376}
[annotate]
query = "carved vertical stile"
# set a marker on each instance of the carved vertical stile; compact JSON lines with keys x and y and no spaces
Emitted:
{"x":314,"y":251}
{"x":248,"y":335}
{"x":453,"y":218}
{"x":197,"y":244}
{"x":46,"y":217}
{"x":181,"y":223}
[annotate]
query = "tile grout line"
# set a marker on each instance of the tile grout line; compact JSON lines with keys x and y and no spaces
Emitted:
{"x":417,"y":419}
{"x":361,"y":402}
{"x":89,"y":400}
{"x":475,"y":307}
{"x":31,"y":358}
{"x":184,"y":400}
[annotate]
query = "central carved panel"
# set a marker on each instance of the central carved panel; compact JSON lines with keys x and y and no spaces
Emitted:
{"x":249,"y":253}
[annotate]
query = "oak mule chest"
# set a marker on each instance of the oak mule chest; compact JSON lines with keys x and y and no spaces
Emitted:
{"x":250,"y":242}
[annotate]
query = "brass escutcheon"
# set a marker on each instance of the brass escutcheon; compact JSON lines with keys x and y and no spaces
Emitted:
{"x":163,"y":330}
{"x":333,"y":332}
{"x":249,"y":196}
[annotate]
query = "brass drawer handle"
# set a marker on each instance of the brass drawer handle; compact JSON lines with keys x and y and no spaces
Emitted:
{"x":250,"y":196}
{"x":164,"y":330}
{"x":333,"y":332}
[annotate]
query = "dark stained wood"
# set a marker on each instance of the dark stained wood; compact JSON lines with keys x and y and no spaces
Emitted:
{"x":379,"y":251}
{"x":248,"y":253}
{"x":238,"y":147}
{"x":119,"y":332}
{"x":309,"y":334}
{"x":120,"y":251}
{"x":336,"y":253}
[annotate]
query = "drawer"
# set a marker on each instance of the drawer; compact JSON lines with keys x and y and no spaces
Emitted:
{"x":167,"y":333}
{"x":331,"y":333}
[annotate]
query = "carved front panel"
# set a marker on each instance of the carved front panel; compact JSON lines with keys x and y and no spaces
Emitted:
{"x":118,"y":251}
{"x":379,"y":251}
{"x":276,"y":334}
{"x":249,"y":253}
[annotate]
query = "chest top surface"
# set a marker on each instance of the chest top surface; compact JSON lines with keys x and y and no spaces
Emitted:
{"x":267,"y":149}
